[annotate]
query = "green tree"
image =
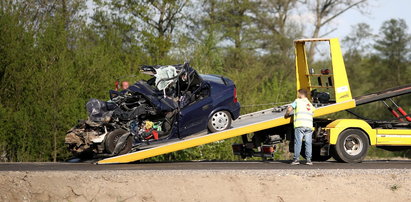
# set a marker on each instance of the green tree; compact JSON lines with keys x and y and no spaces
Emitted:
{"x":154,"y":22}
{"x":358,"y":47}
{"x":393,"y":47}
{"x":237,"y":30}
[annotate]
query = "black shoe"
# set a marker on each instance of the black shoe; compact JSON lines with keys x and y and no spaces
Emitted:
{"x":295,"y":162}
{"x":309,"y":163}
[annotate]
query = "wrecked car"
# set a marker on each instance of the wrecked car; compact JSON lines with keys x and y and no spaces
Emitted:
{"x":175,"y":103}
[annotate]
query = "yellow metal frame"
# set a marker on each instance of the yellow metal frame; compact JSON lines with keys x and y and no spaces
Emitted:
{"x":341,"y":85}
{"x":336,"y":127}
{"x":378,"y":137}
{"x":393,"y":137}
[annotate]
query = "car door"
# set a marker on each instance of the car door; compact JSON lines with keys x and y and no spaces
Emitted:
{"x":194,"y":117}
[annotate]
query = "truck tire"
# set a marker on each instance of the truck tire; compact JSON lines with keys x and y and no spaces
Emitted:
{"x":112,"y":139}
{"x":219,"y":121}
{"x":352,"y":146}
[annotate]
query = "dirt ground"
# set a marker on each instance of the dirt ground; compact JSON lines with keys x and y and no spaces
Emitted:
{"x":222,"y":185}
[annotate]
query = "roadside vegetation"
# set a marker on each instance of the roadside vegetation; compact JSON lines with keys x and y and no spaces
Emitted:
{"x":56,"y":55}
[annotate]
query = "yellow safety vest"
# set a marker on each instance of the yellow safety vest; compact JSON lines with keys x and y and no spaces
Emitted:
{"x":303,"y":113}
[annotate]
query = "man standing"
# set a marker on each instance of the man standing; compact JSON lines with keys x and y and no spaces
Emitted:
{"x":303,"y":125}
{"x":124,"y":85}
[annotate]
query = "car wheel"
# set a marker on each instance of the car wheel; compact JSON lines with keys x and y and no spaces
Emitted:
{"x":219,"y":121}
{"x":112,"y":139}
{"x":352,"y":146}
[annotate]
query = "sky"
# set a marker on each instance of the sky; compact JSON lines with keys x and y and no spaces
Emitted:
{"x":376,"y":13}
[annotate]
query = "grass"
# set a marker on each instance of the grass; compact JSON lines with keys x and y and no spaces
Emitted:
{"x":394,"y":187}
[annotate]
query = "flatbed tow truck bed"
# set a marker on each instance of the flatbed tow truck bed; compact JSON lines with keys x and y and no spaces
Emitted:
{"x":245,"y":124}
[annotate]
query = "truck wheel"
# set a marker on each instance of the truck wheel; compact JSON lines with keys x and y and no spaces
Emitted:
{"x":219,"y":121}
{"x":112,"y":139}
{"x":352,"y":146}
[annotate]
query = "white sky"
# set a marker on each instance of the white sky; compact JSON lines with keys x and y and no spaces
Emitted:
{"x":377,"y":12}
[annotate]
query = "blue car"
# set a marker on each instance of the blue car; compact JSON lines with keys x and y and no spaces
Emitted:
{"x":175,"y":103}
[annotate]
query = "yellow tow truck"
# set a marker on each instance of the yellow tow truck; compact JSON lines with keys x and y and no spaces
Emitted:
{"x":347,"y":140}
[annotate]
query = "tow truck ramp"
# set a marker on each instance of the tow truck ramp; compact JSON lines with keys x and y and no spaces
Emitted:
{"x":245,"y":124}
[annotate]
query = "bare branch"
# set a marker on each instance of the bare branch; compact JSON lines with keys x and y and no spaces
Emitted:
{"x":341,"y":12}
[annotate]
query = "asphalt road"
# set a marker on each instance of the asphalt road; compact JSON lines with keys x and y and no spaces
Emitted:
{"x":381,"y":164}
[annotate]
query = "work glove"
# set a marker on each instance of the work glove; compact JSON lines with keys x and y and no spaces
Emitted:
{"x":286,"y":115}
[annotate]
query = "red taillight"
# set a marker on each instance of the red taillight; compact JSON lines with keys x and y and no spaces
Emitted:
{"x":235,"y":95}
{"x":268,"y":149}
